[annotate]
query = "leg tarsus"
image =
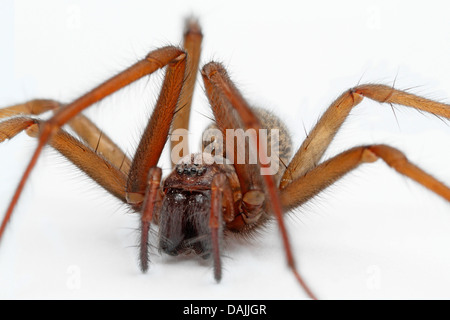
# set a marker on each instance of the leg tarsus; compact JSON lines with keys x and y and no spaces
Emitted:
{"x":144,"y":246}
{"x":218,"y":188}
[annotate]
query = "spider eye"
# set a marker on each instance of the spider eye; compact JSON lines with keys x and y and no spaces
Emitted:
{"x":190,"y":170}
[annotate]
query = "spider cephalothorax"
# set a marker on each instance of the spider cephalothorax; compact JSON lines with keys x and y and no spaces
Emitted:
{"x":184,"y":215}
{"x":203,"y":199}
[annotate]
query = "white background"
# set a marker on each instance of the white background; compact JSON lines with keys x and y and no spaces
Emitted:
{"x":374,"y":235}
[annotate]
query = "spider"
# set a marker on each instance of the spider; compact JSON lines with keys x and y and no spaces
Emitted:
{"x":203,"y":200}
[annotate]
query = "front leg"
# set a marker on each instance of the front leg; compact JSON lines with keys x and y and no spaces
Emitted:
{"x":221,"y":197}
{"x":155,"y":60}
{"x":150,"y":211}
{"x":231,"y":111}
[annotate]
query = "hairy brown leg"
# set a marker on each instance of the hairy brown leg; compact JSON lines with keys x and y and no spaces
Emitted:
{"x":192,"y":45}
{"x":150,"y":208}
{"x":214,"y":76}
{"x":304,"y":188}
{"x":155,"y":60}
{"x":318,"y":140}
{"x":221,"y":196}
{"x":83,"y":127}
{"x":11,"y":127}
{"x":84,"y":157}
{"x":100,"y":142}
{"x":144,"y":177}
{"x":222,"y":93}
{"x":155,"y":134}
{"x":32,"y":107}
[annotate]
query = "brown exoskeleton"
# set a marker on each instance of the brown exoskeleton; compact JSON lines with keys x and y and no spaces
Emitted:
{"x":202,"y":200}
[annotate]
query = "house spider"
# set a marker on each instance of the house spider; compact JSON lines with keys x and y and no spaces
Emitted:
{"x":201,"y":201}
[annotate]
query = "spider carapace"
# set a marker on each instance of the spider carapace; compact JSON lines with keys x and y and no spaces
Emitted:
{"x":219,"y":190}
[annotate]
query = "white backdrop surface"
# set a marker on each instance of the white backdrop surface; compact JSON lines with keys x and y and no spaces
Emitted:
{"x":374,"y":235}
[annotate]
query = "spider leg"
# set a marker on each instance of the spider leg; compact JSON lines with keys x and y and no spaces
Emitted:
{"x":314,"y":181}
{"x":32,"y":107}
{"x":217,"y":85}
{"x":314,"y":146}
{"x":84,"y":157}
{"x":171,"y":56}
{"x":225,"y":99}
{"x":83,"y":127}
{"x":150,"y":208}
{"x":155,"y":134}
{"x":220,"y":191}
{"x":192,"y":45}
